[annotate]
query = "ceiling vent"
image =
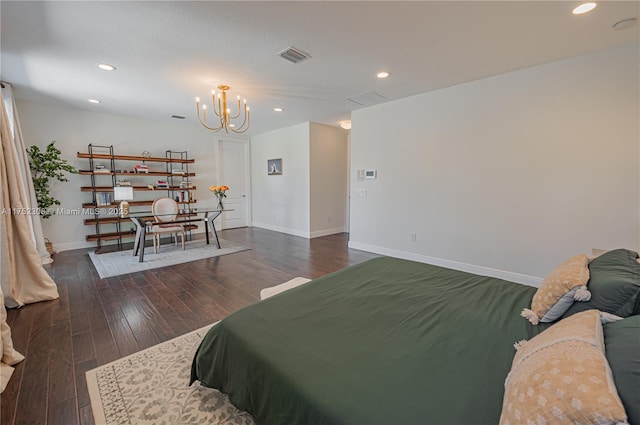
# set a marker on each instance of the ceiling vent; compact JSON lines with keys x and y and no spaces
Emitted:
{"x":293,"y":55}
{"x":367,"y":99}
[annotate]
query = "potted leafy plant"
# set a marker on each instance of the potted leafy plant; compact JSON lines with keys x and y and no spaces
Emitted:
{"x":46,"y":165}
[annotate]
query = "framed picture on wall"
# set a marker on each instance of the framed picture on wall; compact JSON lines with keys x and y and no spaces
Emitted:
{"x":274,"y":167}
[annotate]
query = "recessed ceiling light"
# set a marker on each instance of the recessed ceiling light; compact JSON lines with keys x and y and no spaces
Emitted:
{"x":94,"y":100}
{"x":383,"y":74}
{"x":278,"y":109}
{"x":584,"y":8}
{"x":106,"y":67}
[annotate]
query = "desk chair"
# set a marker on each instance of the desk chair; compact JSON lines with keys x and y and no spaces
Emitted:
{"x":165,"y":210}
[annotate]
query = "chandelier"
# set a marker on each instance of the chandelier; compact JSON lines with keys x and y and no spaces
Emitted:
{"x":223,"y":113}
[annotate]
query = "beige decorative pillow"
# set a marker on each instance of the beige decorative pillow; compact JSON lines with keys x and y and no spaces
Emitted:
{"x":564,"y":285}
{"x":290,"y":284}
{"x":562,"y":377}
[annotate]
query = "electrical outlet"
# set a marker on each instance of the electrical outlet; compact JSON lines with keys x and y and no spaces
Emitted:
{"x":413,"y":237}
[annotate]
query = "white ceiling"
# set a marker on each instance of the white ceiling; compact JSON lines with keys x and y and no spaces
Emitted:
{"x":167,"y":53}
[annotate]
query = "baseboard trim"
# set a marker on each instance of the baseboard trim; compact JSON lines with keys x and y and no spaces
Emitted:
{"x":280,"y":229}
{"x":455,"y":265}
{"x":301,"y":233}
{"x":326,"y":232}
{"x":69,"y":246}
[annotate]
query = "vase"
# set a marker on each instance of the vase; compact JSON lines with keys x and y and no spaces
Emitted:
{"x":220,"y":206}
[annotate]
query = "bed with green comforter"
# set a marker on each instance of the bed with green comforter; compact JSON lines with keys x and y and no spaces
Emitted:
{"x":388,"y":341}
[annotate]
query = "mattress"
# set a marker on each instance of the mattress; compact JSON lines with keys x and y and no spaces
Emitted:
{"x":388,"y":341}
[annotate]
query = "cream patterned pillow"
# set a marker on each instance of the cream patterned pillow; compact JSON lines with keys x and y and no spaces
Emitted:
{"x":564,"y":285}
{"x":562,"y":377}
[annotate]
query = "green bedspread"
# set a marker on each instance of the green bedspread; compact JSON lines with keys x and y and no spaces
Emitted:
{"x":388,"y":341}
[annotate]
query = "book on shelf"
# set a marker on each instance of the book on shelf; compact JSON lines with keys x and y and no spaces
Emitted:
{"x":162,"y":184}
{"x":101,"y":171}
{"x":141,"y":168}
{"x":104,"y":199}
{"x":177,"y":171}
{"x":184,"y":196}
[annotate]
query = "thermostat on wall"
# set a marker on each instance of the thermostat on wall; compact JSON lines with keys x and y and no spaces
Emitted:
{"x":370,"y":174}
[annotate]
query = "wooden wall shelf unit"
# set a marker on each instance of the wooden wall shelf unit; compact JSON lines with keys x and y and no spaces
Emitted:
{"x":131,"y":204}
{"x":134,"y":158}
{"x":150,"y":173}
{"x":135,"y":188}
{"x":107,"y":168}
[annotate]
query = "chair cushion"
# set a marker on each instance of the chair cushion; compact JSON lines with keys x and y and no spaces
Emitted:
{"x":167,"y":228}
{"x":164,"y":209}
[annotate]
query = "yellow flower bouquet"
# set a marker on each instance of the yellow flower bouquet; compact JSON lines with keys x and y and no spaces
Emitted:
{"x":220,"y":192}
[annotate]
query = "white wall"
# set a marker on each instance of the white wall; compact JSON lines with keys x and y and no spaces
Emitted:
{"x":309,"y":198}
{"x":74,"y":129}
{"x":513,"y":173}
{"x":281,"y":202}
{"x":328,"y":179}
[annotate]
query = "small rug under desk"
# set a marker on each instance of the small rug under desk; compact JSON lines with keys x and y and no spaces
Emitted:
{"x":123,"y":262}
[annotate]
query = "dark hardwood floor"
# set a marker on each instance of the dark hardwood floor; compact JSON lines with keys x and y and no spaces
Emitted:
{"x":96,"y":321}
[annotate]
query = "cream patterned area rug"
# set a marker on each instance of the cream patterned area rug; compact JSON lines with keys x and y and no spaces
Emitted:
{"x":151,"y":387}
{"x":123,"y":262}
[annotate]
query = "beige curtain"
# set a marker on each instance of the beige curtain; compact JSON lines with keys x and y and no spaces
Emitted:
{"x":10,"y":356}
{"x":25,"y":173}
{"x":22,"y":277}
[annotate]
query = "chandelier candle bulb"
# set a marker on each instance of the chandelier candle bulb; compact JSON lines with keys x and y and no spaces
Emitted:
{"x":223,"y":112}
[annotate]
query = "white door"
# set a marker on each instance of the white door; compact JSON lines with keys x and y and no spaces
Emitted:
{"x":234,"y":157}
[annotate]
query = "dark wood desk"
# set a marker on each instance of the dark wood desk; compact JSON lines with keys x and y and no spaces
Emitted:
{"x":142,"y":222}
